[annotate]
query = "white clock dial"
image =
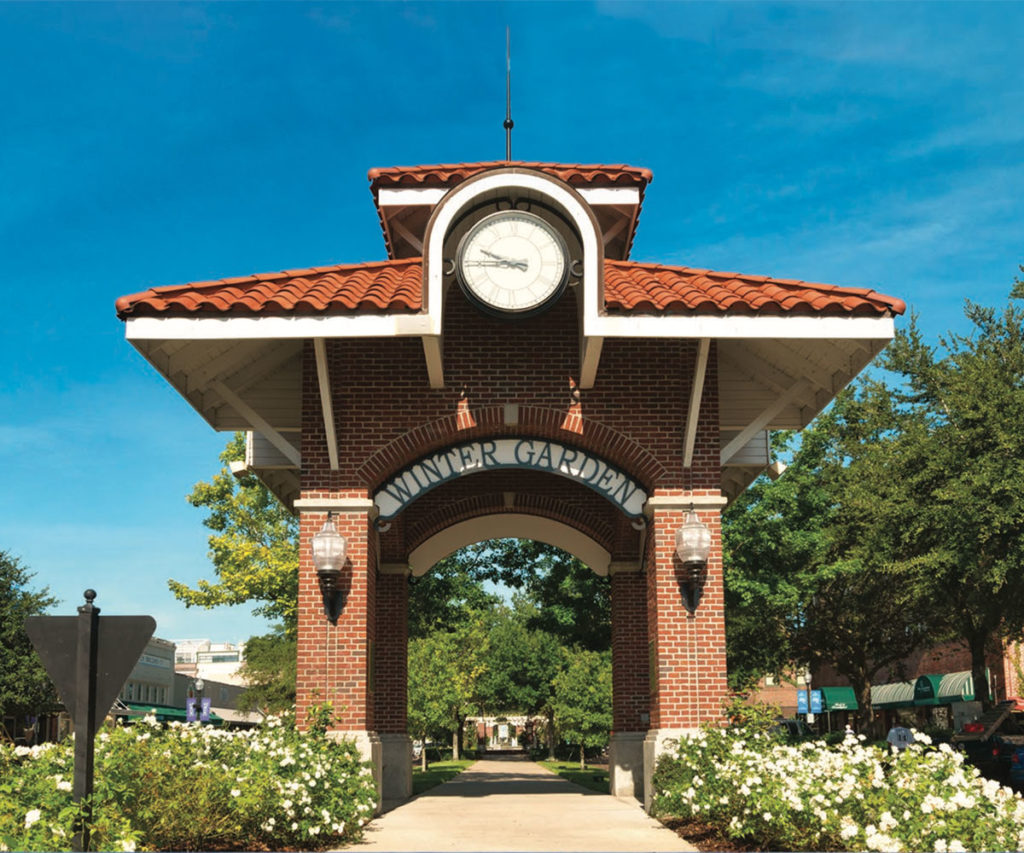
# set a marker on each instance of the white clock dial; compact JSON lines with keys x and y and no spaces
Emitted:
{"x":513,"y":262}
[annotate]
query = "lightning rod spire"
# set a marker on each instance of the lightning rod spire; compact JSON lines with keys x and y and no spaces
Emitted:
{"x":508,"y":94}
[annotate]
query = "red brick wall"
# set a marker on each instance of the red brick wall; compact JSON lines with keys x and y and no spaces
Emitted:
{"x":334,"y":659}
{"x":391,"y":676}
{"x":631,"y":685}
{"x":689,"y":672}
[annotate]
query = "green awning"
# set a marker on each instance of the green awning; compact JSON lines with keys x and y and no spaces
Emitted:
{"x":956,"y":687}
{"x":898,"y":694}
{"x":163,"y":713}
{"x":838,"y":699}
{"x":927,"y":690}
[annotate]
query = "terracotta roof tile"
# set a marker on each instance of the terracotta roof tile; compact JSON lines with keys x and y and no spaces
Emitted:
{"x":631,"y":287}
{"x":448,"y":175}
{"x":396,"y":286}
{"x":392,"y":286}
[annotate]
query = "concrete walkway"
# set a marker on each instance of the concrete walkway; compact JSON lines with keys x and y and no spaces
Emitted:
{"x":516,"y":805}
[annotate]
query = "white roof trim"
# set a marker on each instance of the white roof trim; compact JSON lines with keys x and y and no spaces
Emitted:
{"x":255,"y":328}
{"x":410,"y":325}
{"x":404,"y":196}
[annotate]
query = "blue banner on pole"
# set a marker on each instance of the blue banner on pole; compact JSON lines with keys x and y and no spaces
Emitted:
{"x":190,"y":710}
{"x":204,"y":714}
{"x":801,"y":701}
{"x":815,"y":701}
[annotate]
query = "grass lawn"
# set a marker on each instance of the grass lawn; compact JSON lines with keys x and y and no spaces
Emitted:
{"x":594,"y":778}
{"x":438,"y":772}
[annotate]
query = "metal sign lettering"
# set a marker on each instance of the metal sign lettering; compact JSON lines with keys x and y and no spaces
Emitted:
{"x":525,"y":453}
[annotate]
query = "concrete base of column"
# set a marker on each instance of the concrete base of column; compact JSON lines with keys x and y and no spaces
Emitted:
{"x":626,"y":765}
{"x":657,"y":742}
{"x":370,"y":749}
{"x":396,"y":775}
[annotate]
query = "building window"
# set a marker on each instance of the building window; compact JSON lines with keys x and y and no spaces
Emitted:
{"x":769,"y":681}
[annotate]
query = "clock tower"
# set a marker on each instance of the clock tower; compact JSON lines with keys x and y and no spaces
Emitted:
{"x":508,"y":371}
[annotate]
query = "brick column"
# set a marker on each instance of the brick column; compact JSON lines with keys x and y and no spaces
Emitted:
{"x":391,"y":683}
{"x":687,"y":644}
{"x":335,"y":661}
{"x":630,"y":681}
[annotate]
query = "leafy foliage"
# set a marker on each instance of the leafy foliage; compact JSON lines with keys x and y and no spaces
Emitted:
{"x":444,"y":673}
{"x":582,"y":700}
{"x":447,"y":594}
{"x":191,"y":788}
{"x":254,"y":546}
{"x":776,"y":796}
{"x":521,"y":665}
{"x":24,"y":686}
{"x":959,"y":513}
{"x":808,"y":562}
{"x":270,"y":672}
{"x":571,"y":601}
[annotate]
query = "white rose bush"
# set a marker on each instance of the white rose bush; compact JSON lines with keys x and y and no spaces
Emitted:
{"x":191,"y":787}
{"x":850,"y":796}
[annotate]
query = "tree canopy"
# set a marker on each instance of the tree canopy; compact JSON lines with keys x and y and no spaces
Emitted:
{"x":25,"y":688}
{"x":254,"y":546}
{"x":899,"y":520}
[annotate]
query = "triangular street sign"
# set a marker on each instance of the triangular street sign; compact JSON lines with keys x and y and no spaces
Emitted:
{"x":120,"y":642}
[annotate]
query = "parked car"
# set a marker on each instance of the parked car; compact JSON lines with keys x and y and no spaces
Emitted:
{"x":995,"y":744}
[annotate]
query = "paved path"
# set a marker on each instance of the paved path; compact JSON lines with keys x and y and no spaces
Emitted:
{"x":508,"y":806}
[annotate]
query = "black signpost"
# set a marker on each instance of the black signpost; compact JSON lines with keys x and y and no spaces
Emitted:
{"x":88,"y":660}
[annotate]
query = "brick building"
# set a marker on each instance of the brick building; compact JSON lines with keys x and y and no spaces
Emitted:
{"x":509,"y":371}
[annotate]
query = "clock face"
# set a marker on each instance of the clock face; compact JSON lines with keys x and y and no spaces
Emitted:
{"x":513,"y":262}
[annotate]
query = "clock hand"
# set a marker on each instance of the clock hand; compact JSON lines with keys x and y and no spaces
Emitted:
{"x":503,"y":263}
{"x":507,"y":262}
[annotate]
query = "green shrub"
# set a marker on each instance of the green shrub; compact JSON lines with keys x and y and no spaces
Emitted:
{"x":851,"y":796}
{"x":191,"y":787}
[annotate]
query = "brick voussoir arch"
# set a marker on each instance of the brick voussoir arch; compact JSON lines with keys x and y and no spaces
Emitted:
{"x":531,"y":422}
{"x":555,"y":509}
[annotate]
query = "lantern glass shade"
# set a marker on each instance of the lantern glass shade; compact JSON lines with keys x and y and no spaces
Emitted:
{"x":693,"y":541}
{"x":329,"y":550}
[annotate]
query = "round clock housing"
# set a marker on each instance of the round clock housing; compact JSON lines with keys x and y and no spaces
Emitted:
{"x":513,"y":263}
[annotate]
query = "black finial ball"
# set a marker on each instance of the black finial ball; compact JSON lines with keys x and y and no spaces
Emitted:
{"x":90,"y":595}
{"x":508,"y":124}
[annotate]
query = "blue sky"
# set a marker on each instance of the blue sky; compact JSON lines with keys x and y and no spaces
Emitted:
{"x":875,"y":145}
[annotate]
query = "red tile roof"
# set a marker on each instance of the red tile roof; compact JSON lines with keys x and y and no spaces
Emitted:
{"x":392,"y":286}
{"x":396,"y":287}
{"x":631,"y":287}
{"x":448,"y":175}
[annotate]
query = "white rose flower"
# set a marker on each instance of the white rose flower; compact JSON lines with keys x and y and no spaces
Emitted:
{"x":32,"y":817}
{"x":956,"y":847}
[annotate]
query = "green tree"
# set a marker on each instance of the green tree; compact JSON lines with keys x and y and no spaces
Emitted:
{"x":571,"y":601}
{"x":812,"y":576}
{"x":269,"y":671}
{"x":444,"y":670}
{"x":25,"y":689}
{"x":959,"y":511}
{"x":583,"y":699}
{"x":447,"y":594}
{"x":521,"y":664}
{"x":254,"y":545}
